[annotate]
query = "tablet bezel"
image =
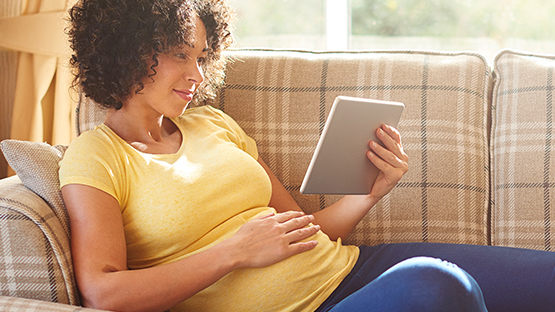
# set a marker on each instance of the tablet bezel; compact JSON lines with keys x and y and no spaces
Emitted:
{"x":339,"y":164}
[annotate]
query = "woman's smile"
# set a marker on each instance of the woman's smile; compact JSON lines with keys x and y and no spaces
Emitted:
{"x":186,"y":95}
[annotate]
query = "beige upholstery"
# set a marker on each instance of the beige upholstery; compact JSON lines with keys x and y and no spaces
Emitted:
{"x":523,"y":156}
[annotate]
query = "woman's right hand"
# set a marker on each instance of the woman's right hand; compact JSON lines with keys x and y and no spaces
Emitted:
{"x":274,"y":237}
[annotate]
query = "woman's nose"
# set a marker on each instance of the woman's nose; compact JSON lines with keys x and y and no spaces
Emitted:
{"x":195,"y":73}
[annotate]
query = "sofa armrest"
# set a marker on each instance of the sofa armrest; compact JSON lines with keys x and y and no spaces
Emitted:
{"x":31,"y":305}
{"x":34,"y":248}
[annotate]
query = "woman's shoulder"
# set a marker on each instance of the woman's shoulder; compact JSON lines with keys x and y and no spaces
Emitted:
{"x":98,"y":140}
{"x":92,"y":159}
{"x":95,"y":150}
{"x":98,"y":134}
{"x":206,"y":110}
{"x":206,"y":113}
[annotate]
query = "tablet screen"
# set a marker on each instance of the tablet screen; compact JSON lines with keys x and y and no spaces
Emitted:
{"x":339,"y":164}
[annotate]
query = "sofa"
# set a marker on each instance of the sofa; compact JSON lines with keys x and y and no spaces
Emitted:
{"x":479,"y":136}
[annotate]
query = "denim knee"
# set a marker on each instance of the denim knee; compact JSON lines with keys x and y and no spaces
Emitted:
{"x":429,"y":284}
{"x":420,"y":284}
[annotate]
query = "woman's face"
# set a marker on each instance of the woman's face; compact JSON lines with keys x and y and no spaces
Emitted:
{"x":176,"y":78}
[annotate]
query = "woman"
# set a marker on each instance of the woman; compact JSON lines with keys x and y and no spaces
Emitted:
{"x":171,"y":208}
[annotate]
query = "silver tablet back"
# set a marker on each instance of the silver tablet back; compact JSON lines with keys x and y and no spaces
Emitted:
{"x":339,"y":164}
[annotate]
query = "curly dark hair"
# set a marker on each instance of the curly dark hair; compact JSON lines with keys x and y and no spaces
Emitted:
{"x":112,"y":41}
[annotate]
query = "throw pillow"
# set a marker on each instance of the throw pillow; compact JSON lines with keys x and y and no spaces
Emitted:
{"x":36,"y":165}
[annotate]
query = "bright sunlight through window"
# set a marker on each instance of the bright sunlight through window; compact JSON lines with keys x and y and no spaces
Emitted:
{"x":484,"y":26}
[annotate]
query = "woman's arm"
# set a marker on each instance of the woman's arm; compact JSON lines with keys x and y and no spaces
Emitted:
{"x":100,"y":259}
{"x":339,"y":219}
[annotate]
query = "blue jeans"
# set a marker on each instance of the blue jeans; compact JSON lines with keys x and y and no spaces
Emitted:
{"x":410,"y":277}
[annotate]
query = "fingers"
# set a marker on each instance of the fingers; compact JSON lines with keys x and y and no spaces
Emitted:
{"x":286,"y":216}
{"x":383,"y":158}
{"x":298,"y":235}
{"x":291,"y":220}
{"x":296,"y":225}
{"x":391,"y":138}
{"x":302,"y":247}
{"x":391,"y":159}
{"x":393,"y":154}
{"x":297,"y":229}
{"x":271,"y":238}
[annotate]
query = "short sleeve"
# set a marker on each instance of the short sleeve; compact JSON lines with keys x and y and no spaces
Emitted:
{"x":89,"y":162}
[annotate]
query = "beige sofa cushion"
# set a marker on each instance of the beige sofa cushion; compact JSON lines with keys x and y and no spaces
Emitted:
{"x":282,"y":98}
{"x":523,"y":160}
{"x":36,"y":164}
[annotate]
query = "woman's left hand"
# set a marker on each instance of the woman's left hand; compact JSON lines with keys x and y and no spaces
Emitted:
{"x":391,"y":160}
{"x":339,"y":219}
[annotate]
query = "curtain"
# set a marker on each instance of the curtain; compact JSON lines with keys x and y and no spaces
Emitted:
{"x":44,"y":103}
{"x":8,"y":71}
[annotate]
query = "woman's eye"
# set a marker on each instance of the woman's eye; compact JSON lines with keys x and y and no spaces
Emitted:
{"x":201,"y":60}
{"x":182,"y":56}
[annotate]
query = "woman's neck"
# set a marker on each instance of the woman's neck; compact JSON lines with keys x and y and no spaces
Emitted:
{"x":149,"y":133}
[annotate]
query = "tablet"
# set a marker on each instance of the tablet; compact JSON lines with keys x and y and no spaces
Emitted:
{"x":339,"y":164}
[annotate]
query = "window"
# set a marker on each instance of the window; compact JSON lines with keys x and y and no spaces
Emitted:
{"x":291,"y":24}
{"x":485,"y":26}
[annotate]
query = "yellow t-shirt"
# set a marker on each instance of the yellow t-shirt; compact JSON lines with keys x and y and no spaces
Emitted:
{"x":175,"y":205}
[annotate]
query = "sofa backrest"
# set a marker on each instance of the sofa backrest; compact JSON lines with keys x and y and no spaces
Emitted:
{"x":522,"y":151}
{"x":282,"y":98}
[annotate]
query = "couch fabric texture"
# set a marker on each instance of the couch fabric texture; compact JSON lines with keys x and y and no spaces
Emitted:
{"x":479,"y":142}
{"x":522,"y":155}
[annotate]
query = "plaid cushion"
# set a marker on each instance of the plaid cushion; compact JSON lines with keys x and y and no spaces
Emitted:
{"x":35,"y":255}
{"x":523,"y":174}
{"x":282,"y":98}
